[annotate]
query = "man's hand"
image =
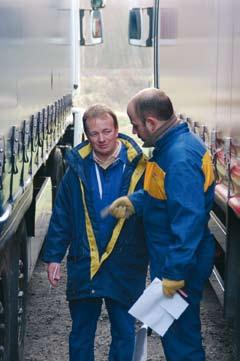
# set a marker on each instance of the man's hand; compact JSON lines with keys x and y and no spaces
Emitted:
{"x":53,"y":271}
{"x":170,"y":287}
{"x":121,"y":208}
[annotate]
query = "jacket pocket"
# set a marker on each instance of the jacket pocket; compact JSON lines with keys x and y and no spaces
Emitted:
{"x":78,"y":271}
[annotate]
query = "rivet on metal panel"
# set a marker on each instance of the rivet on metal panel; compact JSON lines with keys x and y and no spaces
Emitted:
{"x":227,"y":150}
{"x":227,"y":160}
{"x":33,"y":131}
{"x":190,"y":122}
{"x":25,"y":140}
{"x":14,"y":149}
{"x":40,"y":129}
{"x":213,"y":142}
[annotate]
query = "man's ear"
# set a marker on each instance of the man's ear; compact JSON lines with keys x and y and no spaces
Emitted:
{"x":152,"y":124}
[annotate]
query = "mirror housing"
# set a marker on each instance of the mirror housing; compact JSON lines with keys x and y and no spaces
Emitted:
{"x":97,"y":4}
{"x":140,"y":28}
{"x":91,"y":27}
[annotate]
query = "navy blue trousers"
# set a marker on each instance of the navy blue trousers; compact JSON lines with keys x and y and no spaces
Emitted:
{"x":85,"y":314}
{"x":183,"y":341}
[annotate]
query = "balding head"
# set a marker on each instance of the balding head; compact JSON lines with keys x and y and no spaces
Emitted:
{"x":151,"y":102}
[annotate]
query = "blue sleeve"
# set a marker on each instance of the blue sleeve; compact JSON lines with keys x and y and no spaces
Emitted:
{"x":59,"y":231}
{"x":137,"y":199}
{"x":184,"y":186}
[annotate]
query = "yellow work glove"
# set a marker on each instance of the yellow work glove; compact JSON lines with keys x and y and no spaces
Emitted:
{"x":121,"y":208}
{"x":170,"y":287}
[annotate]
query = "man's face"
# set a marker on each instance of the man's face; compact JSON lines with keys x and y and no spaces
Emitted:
{"x":102,"y":135}
{"x":138,"y":127}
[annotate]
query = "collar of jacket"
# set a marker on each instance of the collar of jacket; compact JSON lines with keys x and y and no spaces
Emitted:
{"x":160,"y":132}
{"x":77,"y":156}
{"x":171,"y":135}
{"x":121,"y":156}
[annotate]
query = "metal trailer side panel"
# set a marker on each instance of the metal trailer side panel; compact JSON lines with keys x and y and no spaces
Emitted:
{"x":199,"y":70}
{"x":35,"y":62}
{"x":36,"y":79}
{"x":188,"y":63}
{"x":235,"y":102}
{"x":200,"y":61}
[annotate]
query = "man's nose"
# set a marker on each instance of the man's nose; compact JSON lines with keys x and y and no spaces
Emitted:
{"x":100,"y":137}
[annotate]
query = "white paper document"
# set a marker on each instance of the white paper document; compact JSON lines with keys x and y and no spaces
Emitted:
{"x":156,"y":310}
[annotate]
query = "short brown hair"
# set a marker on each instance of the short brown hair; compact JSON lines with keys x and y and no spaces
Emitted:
{"x":152,"y":102}
{"x":98,"y":110}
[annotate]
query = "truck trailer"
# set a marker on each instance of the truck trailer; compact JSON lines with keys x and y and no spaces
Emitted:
{"x":39,"y":66}
{"x":196,"y":56}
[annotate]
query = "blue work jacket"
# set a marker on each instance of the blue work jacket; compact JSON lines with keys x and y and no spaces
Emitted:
{"x":119,"y":271}
{"x":105,"y":185}
{"x":175,"y":204}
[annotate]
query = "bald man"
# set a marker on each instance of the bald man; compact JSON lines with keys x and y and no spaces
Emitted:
{"x":175,"y":204}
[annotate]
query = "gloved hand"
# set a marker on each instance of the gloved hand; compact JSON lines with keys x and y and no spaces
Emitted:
{"x":170,"y":287}
{"x":121,"y":208}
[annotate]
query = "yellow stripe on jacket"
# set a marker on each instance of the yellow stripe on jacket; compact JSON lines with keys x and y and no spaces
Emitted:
{"x":154,"y":181}
{"x":207,"y":168}
{"x":155,"y":177}
{"x":96,"y":261}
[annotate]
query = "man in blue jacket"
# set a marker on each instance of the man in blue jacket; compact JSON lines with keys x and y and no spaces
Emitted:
{"x":106,"y":259}
{"x":175,"y":204}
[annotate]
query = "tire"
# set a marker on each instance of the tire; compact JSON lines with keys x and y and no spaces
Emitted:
{"x":13,"y":287}
{"x":56,"y":170}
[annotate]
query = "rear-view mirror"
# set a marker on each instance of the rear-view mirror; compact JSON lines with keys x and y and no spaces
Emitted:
{"x":91,"y":27}
{"x":140,"y":29}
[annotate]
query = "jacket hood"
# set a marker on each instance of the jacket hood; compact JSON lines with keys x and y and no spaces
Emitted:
{"x":76,"y":156}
